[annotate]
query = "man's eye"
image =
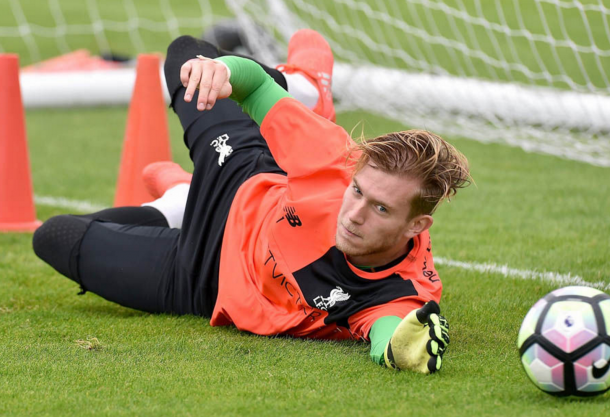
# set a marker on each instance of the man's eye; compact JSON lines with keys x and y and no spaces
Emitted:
{"x":382,"y":209}
{"x":357,"y":190}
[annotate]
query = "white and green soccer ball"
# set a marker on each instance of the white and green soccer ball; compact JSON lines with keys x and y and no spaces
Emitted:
{"x":564,"y":342}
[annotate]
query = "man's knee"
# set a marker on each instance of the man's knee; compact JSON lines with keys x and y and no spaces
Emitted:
{"x":57,"y":243}
{"x":181,"y":50}
{"x":188,"y":47}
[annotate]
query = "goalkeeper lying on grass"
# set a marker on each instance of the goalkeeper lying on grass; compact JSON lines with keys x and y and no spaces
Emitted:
{"x":277,"y":232}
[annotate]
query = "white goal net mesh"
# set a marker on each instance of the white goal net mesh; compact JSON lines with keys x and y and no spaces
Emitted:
{"x":529,"y":73}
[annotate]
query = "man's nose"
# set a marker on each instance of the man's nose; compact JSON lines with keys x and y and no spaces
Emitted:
{"x":357,"y":213}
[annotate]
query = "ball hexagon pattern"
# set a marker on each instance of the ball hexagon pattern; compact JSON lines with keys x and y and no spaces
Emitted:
{"x":569,"y":325}
{"x":591,"y":371}
{"x":544,"y":369}
{"x":564,"y":342}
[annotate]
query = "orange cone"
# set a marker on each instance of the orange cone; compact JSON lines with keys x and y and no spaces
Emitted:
{"x":146,"y":135}
{"x":17,"y":213}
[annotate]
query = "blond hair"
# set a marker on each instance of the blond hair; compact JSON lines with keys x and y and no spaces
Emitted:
{"x":421,"y":155}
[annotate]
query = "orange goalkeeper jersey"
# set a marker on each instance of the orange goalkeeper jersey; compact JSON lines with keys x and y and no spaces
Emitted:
{"x":280,"y":272}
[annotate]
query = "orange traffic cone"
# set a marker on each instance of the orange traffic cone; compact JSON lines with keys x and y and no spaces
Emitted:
{"x":146,"y":135}
{"x":17,"y":213}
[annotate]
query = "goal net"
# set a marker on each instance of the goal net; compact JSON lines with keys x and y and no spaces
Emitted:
{"x":528,"y":73}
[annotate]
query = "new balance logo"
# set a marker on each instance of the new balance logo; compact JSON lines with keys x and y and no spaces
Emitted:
{"x":337,"y":295}
{"x":220,"y":145}
{"x":427,"y":273}
{"x":291,"y":217}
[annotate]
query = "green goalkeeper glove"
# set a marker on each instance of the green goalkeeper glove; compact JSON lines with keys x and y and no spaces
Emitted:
{"x":419,"y":341}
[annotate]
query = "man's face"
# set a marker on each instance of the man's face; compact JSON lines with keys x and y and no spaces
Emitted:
{"x":373,"y":227}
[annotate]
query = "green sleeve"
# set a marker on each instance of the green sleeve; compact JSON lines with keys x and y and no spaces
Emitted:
{"x":253,"y":89}
{"x":380,"y":334}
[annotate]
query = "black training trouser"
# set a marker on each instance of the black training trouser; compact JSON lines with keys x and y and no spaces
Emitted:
{"x":137,"y":261}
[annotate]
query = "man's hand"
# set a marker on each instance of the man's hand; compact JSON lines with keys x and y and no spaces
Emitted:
{"x":208,"y":76}
{"x":419,"y":341}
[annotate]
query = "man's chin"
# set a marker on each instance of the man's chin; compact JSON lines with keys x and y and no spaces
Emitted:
{"x":346,"y":247}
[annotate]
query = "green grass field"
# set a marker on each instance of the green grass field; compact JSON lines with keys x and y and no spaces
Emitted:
{"x":63,"y":354}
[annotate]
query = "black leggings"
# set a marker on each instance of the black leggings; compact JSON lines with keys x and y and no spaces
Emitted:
{"x":128,"y":255}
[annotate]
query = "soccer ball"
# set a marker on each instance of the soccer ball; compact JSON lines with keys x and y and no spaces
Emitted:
{"x":564,"y":342}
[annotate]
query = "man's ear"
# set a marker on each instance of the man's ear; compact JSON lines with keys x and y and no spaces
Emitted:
{"x":419,"y":224}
